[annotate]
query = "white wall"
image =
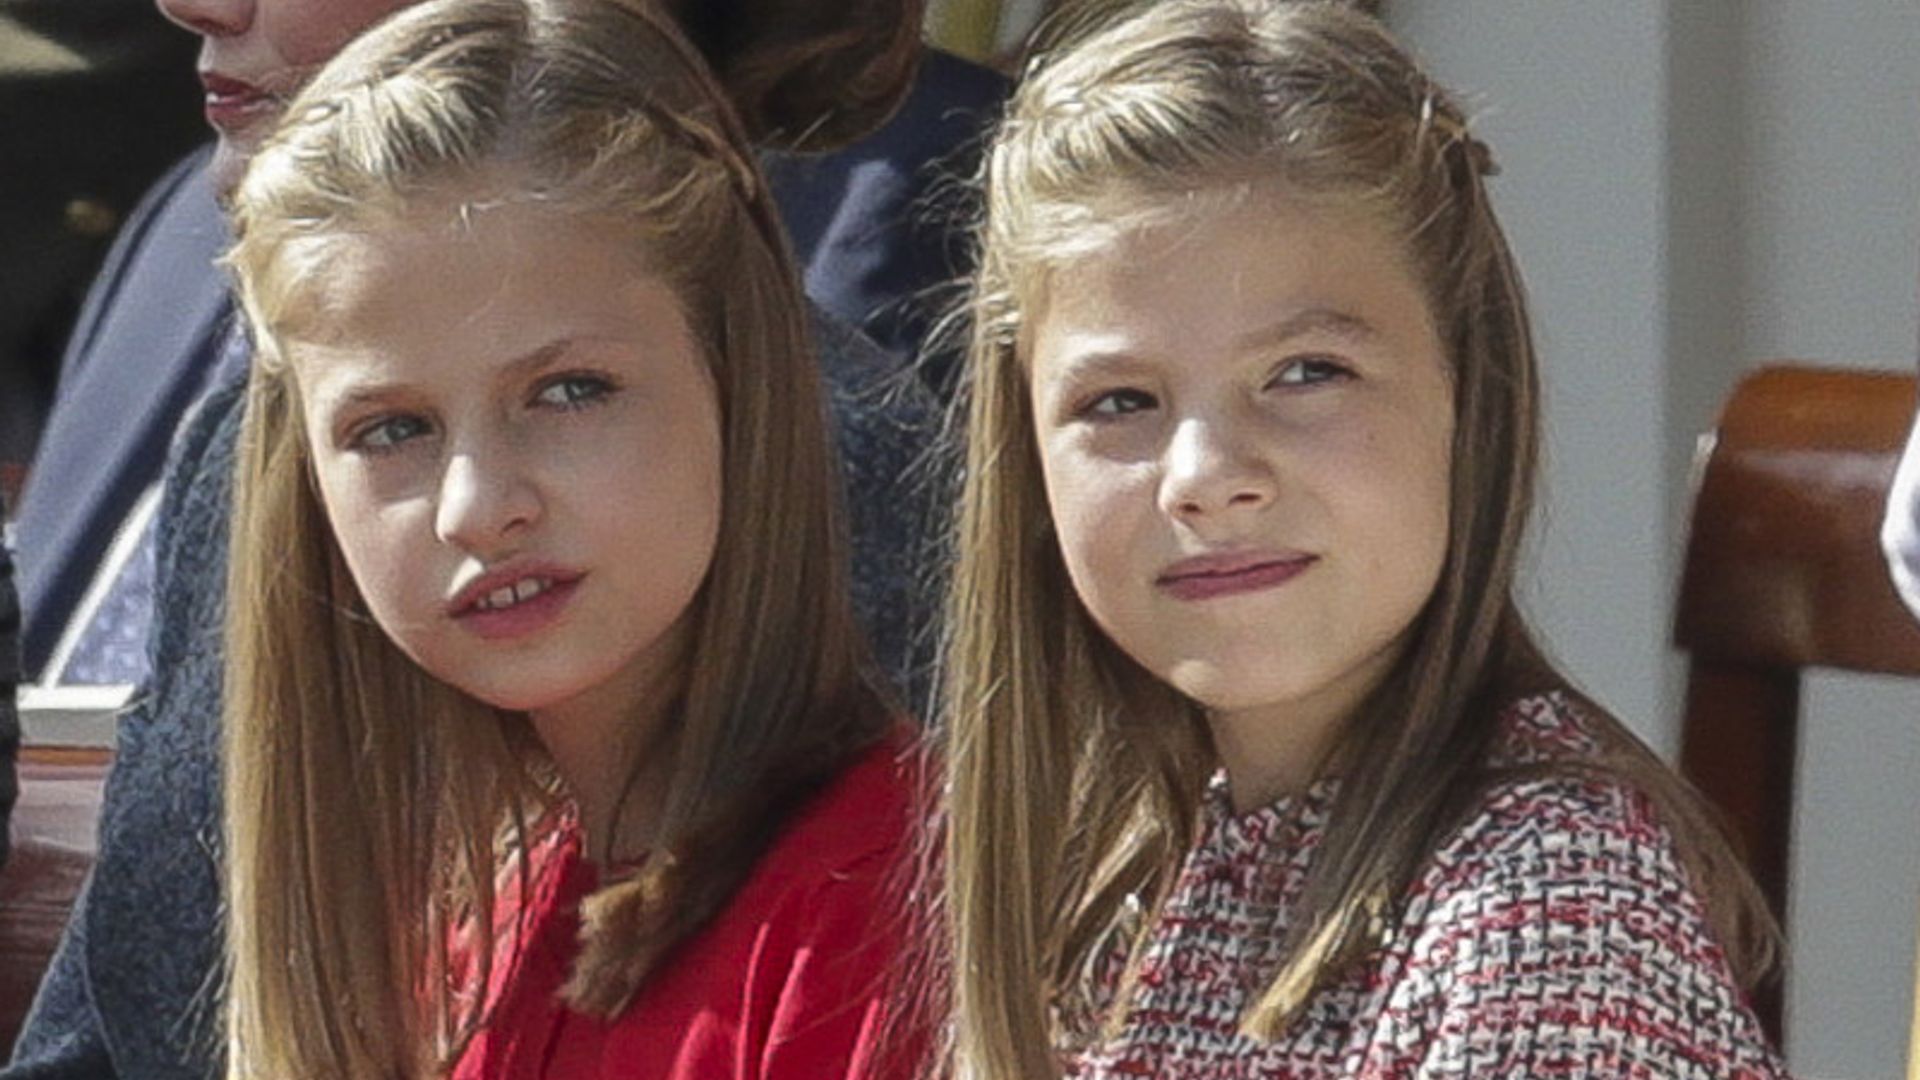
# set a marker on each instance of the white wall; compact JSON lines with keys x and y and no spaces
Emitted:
{"x":1693,"y":186}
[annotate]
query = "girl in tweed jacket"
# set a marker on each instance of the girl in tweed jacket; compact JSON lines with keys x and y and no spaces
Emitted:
{"x":1255,"y":769}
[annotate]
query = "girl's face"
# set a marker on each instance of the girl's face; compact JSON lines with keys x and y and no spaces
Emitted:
{"x":517,"y":440}
{"x":1244,"y":423}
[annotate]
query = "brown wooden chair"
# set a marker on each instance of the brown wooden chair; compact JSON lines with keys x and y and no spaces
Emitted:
{"x":1784,"y":572}
{"x":53,"y":844}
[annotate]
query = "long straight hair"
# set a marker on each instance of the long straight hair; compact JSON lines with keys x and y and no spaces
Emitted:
{"x":1075,"y":777}
{"x":374,"y":814}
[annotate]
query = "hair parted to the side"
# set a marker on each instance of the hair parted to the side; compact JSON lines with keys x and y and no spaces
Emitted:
{"x":1075,"y":777}
{"x":374,"y":814}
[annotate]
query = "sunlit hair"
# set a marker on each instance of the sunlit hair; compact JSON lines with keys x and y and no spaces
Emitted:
{"x":375,"y":815}
{"x":1075,"y":776}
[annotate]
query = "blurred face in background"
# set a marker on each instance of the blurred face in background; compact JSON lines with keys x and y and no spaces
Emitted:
{"x":255,"y":55}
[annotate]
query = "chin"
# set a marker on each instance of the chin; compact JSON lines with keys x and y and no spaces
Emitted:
{"x":231,"y":153}
{"x":522,"y":698}
{"x":509,"y":694}
{"x":1218,"y":689}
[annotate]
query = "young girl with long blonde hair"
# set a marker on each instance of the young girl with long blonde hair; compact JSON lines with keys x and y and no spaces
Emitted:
{"x":1255,"y":769}
{"x":550,"y":749}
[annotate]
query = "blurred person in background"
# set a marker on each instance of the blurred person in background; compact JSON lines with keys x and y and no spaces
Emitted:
{"x":100,"y":98}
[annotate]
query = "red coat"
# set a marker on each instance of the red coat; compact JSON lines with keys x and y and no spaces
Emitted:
{"x":794,"y":979}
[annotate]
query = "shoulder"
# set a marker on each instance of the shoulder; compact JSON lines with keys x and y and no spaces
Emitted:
{"x":797,"y":975}
{"x":952,"y":102}
{"x":1569,"y":868}
{"x":861,"y":375}
{"x":854,"y":831}
{"x":1559,"y":922}
{"x":1557,"y":826}
{"x":176,"y":226}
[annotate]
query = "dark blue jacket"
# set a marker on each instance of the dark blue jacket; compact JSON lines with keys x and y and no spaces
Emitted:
{"x":147,"y":341}
{"x":9,"y":677}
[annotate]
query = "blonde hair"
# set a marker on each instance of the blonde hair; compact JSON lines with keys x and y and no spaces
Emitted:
{"x":1075,"y":777}
{"x":374,"y":814}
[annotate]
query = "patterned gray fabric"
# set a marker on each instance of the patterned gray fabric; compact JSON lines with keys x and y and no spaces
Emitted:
{"x":113,"y":647}
{"x":132,"y":989}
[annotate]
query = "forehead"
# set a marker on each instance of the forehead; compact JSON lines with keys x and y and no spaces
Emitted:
{"x":429,"y":300}
{"x":1223,"y":264}
{"x":450,"y":261}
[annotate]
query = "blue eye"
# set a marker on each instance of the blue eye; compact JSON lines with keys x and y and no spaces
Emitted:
{"x":1118,"y":403}
{"x":573,"y":391}
{"x":386,"y":434}
{"x":1306,"y":371}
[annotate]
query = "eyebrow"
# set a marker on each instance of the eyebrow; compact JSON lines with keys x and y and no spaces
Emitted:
{"x":1317,"y":320}
{"x":377,"y":393}
{"x":1101,"y":363}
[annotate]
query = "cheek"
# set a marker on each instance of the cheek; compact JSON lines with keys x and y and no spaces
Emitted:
{"x":661,"y":493}
{"x":307,"y":34}
{"x":1400,"y":501}
{"x":374,"y":541}
{"x":1098,"y":508}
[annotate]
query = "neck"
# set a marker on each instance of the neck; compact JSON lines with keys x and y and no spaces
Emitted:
{"x":613,"y":758}
{"x":1269,"y":754}
{"x":1277,"y":750}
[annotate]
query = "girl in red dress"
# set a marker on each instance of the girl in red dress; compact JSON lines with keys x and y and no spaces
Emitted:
{"x":550,"y":747}
{"x":1255,"y":770}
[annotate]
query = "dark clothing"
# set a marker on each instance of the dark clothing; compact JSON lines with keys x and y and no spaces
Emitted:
{"x":9,"y":678}
{"x":881,"y":226}
{"x":141,"y":355}
{"x":131,"y":989}
{"x":99,"y":98}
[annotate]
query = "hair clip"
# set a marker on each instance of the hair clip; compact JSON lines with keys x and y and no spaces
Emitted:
{"x":1455,"y":132}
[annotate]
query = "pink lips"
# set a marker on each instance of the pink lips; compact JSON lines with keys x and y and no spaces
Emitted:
{"x":1210,"y":576}
{"x":526,"y":617}
{"x":233,"y":104}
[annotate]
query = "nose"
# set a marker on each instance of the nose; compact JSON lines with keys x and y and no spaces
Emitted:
{"x":487,"y":503}
{"x":210,"y":18}
{"x":1210,"y":469}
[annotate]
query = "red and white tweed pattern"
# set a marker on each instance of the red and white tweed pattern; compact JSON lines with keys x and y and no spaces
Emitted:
{"x":1554,"y":935}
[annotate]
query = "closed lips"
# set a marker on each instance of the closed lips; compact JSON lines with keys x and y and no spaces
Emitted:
{"x":1216,"y":576}
{"x":1226,"y":566}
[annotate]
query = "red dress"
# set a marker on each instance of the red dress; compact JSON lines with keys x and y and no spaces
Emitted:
{"x":793,"y":980}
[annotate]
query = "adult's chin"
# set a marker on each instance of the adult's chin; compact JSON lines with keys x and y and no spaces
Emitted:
{"x":229,"y":164}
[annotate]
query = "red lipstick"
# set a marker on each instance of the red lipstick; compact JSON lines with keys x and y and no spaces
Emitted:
{"x":1210,"y":576}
